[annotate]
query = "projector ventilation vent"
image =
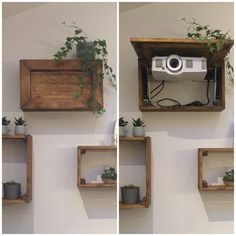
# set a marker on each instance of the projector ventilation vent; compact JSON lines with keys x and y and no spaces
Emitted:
{"x":204,"y":64}
{"x":189,"y":64}
{"x":158,"y":63}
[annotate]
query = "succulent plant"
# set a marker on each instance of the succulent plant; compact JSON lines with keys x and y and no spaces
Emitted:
{"x":229,"y":176}
{"x":122,"y":122}
{"x":109,"y":173}
{"x":5,"y":121}
{"x":138,"y":123}
{"x":20,"y":121}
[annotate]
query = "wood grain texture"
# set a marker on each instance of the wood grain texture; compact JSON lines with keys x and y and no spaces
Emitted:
{"x":146,"y":48}
{"x":130,"y":138}
{"x":13,"y":201}
{"x":27,"y":196}
{"x":50,"y":86}
{"x":13,"y":136}
{"x":148,"y":172}
{"x":98,"y":185}
{"x":131,"y":206}
{"x":202,"y":154}
{"x":29,"y":152}
{"x":81,"y":150}
{"x":146,"y":201}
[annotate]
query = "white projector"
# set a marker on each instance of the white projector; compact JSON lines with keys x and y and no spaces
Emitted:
{"x":174,"y":67}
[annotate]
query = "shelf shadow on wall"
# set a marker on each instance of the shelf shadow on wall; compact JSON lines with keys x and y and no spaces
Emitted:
{"x":219,"y":206}
{"x":99,"y":203}
{"x":189,"y":125}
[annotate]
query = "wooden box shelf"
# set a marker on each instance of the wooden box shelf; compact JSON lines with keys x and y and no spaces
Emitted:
{"x":203,"y":153}
{"x":146,"y":48}
{"x":81,"y":150}
{"x":131,"y":206}
{"x":146,"y":201}
{"x":46,"y":85}
{"x":27,"y":196}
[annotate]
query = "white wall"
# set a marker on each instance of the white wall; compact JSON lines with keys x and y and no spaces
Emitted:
{"x":177,"y":205}
{"x":58,"y":206}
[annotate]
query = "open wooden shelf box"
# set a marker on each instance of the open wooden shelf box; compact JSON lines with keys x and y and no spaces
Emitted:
{"x":146,"y":48}
{"x":81,"y":150}
{"x":146,"y":200}
{"x":27,"y":196}
{"x":46,"y":85}
{"x":203,"y":154}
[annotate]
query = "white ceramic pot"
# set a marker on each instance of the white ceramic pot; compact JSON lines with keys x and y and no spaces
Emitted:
{"x":121,"y":131}
{"x":4,"y":129}
{"x":19,"y":129}
{"x":138,"y":132}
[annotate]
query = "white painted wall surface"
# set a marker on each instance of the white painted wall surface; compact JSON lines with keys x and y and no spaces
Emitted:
{"x":177,"y":205}
{"x":58,"y":206}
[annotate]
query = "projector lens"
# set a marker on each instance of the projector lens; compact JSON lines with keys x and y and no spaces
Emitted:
{"x":174,"y":63}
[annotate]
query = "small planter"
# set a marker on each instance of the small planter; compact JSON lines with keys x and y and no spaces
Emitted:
{"x":130,"y":195}
{"x":12,"y":190}
{"x":108,"y":181}
{"x":121,"y":131}
{"x":138,"y":132}
{"x":20,"y":129}
{"x":4,"y":129}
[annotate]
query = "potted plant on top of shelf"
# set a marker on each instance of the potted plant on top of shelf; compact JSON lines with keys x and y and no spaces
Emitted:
{"x":89,"y":52}
{"x":229,"y":178}
{"x":5,"y":123}
{"x":138,"y":128}
{"x":12,"y":190}
{"x":109,"y":176}
{"x":130,"y":194}
{"x":122,"y":124}
{"x":20,"y":124}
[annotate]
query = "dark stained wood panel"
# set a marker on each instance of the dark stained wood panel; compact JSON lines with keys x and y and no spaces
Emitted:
{"x":146,"y":48}
{"x":50,"y":86}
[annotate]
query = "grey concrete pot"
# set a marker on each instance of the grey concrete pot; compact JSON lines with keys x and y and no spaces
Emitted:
{"x":12,"y":191}
{"x":138,"y":131}
{"x":130,"y":195}
{"x":4,"y":129}
{"x":20,"y":129}
{"x":121,"y":131}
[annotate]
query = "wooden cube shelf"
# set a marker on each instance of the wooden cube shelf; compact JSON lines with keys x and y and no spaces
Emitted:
{"x":46,"y":85}
{"x":146,"y":201}
{"x":81,"y":150}
{"x":202,"y":155}
{"x":146,"y":48}
{"x":27,"y":196}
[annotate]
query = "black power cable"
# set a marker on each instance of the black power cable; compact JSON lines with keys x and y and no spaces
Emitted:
{"x":194,"y":103}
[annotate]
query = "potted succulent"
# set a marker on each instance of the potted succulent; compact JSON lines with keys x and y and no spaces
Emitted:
{"x":5,"y":123}
{"x":130,"y":194}
{"x":229,"y":178}
{"x":138,"y":128}
{"x":91,"y":53}
{"x":109,"y":176}
{"x":20,"y":124}
{"x":12,"y":190}
{"x":122,"y":124}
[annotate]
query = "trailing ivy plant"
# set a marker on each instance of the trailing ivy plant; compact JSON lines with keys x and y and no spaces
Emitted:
{"x":204,"y":33}
{"x":92,"y":53}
